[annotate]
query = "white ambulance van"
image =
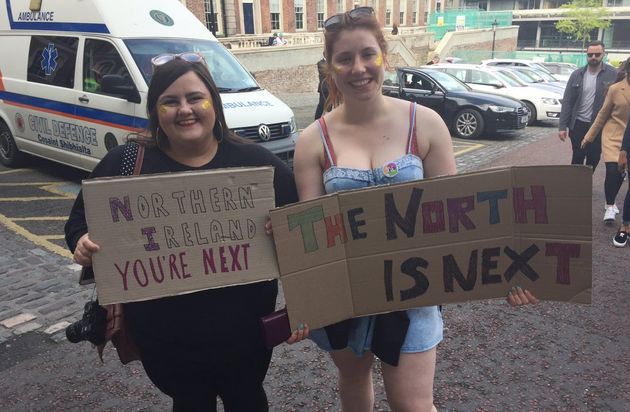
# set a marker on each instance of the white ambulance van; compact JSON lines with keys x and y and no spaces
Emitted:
{"x":74,"y":77}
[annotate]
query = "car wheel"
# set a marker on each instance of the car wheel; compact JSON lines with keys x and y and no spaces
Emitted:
{"x":468,"y":124}
{"x":533,"y":115}
{"x":9,"y":154}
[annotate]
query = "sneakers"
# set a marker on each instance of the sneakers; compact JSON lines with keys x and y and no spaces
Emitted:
{"x":620,"y":239}
{"x":610,"y":215}
{"x":614,"y":208}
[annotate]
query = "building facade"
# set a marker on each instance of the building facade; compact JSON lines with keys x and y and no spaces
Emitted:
{"x":537,"y":20}
{"x":239,"y":17}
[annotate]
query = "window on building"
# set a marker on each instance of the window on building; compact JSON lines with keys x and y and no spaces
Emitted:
{"x":388,"y":12}
{"x":212,"y":15}
{"x":52,"y":60}
{"x":299,"y":14}
{"x":402,"y":12}
{"x":414,"y":12}
{"x":340,"y":6}
{"x":614,"y":3}
{"x":274,"y":9}
{"x":321,"y":13}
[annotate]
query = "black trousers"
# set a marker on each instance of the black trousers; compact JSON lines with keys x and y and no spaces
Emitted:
{"x":591,"y":153}
{"x":194,"y":384}
{"x":613,"y":182}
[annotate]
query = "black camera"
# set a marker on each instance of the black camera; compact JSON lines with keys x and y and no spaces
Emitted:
{"x":91,"y":327}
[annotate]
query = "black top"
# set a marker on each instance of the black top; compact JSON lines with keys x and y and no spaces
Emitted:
{"x":215,"y":321}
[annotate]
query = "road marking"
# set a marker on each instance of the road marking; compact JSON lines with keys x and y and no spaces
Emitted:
{"x":473,"y":146}
{"x":52,"y":237}
{"x":6,"y":172}
{"x":38,"y":218}
{"x":28,"y":184}
{"x":38,"y":240}
{"x":34,"y":198}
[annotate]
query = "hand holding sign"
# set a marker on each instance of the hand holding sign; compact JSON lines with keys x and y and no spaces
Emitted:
{"x":84,"y":250}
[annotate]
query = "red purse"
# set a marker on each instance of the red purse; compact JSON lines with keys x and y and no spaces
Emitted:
{"x":275,"y":328}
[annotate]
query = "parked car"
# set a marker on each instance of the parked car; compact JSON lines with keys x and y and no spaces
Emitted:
{"x":542,"y":104}
{"x":560,"y":70}
{"x":515,"y":62}
{"x":466,"y":112}
{"x":539,"y":79}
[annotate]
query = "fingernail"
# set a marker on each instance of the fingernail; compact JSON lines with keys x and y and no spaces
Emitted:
{"x":519,"y":288}
{"x":301,"y":326}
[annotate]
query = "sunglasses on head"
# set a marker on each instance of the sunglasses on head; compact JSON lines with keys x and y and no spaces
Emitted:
{"x":593,"y":54}
{"x":190,"y":57}
{"x":332,"y":23}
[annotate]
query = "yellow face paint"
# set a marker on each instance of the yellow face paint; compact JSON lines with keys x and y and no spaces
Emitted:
{"x":336,"y":69}
{"x":163,"y":109}
{"x":379,"y":60}
{"x":206,"y":105}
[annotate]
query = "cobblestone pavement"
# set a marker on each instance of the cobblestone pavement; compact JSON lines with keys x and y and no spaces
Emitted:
{"x":551,"y":357}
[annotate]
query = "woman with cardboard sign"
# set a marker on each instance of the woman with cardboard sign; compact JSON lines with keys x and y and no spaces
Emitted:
{"x":196,"y":346}
{"x":370,"y":139}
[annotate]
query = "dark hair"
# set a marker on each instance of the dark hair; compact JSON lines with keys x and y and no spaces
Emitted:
{"x":596,"y":43}
{"x":363,"y":21}
{"x":624,"y":72}
{"x":163,"y":77}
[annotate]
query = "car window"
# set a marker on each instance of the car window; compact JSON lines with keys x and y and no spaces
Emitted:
{"x":391,"y":79}
{"x":566,"y":70}
{"x":226,"y":71}
{"x":416,"y":81}
{"x":52,"y":60}
{"x":482,"y":77}
{"x":459,"y":73}
{"x":100,"y":58}
{"x":448,"y":82}
{"x":508,"y":77}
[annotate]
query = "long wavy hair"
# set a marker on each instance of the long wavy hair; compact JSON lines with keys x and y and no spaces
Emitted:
{"x":365,"y":21}
{"x":163,"y":77}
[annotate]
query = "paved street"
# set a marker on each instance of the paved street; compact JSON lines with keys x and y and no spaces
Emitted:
{"x":550,"y":357}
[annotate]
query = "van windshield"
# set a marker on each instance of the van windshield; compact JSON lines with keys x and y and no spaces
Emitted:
{"x":226,"y":71}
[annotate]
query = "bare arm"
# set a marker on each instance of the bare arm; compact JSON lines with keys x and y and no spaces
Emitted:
{"x":307,"y":164}
{"x":436,"y":147}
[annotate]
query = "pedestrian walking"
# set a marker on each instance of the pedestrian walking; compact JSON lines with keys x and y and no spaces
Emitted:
{"x":621,"y":237}
{"x":345,"y":149}
{"x":583,"y":98}
{"x":197,"y":346}
{"x":611,"y":121}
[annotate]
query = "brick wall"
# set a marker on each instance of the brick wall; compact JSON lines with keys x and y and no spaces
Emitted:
{"x":197,"y":8}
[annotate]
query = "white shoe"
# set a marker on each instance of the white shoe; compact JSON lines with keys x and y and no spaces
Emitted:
{"x":616,"y":209}
{"x":610,"y":215}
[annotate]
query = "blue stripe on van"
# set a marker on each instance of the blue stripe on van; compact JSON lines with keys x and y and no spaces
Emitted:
{"x":55,"y":26}
{"x":85,"y":113}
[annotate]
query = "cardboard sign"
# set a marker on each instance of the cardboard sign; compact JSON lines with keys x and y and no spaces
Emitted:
{"x":442,"y":240}
{"x":168,"y":234}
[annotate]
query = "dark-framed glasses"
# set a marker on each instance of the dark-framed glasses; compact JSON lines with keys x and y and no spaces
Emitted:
{"x":190,"y":57}
{"x":593,"y":54}
{"x":332,"y":23}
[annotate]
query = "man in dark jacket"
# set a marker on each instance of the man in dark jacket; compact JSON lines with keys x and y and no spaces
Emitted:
{"x":583,"y":98}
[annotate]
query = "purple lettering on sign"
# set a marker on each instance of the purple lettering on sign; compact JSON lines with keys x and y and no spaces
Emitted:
{"x":115,"y":205}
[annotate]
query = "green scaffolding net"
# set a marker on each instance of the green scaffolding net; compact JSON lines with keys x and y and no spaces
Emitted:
{"x":462,"y":19}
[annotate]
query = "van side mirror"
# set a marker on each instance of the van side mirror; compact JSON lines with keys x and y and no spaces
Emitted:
{"x":120,"y":86}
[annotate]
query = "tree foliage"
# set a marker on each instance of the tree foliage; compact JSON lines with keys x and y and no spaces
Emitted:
{"x":582,"y":17}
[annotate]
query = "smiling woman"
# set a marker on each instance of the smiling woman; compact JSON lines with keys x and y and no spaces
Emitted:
{"x":189,"y":349}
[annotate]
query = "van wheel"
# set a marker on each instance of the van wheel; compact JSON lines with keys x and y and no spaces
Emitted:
{"x":532,"y":114}
{"x":9,"y":154}
{"x":468,"y":124}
